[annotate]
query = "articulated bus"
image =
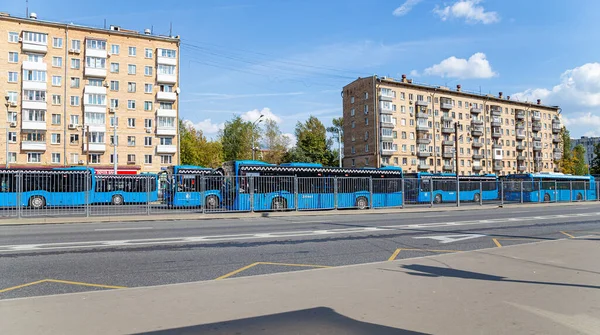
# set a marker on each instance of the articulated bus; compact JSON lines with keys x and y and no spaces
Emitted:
{"x":549,"y":187}
{"x":472,"y":188}
{"x":317,"y":187}
{"x":125,"y":189}
{"x":64,"y":187}
{"x":192,"y":186}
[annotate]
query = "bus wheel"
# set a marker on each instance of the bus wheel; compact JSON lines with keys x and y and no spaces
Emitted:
{"x":477,"y":197}
{"x":579,"y":197}
{"x":211,"y":202}
{"x":362,"y":203}
{"x":37,"y":202}
{"x":437,"y":199}
{"x":278,"y":204}
{"x":117,"y":200}
{"x":546,"y":197}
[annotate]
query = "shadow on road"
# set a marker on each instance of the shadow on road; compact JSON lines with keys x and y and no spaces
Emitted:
{"x":321,"y":320}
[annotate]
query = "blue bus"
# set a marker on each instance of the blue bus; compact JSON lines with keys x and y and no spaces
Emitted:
{"x":472,"y":188}
{"x":125,"y":189}
{"x":318,"y":187}
{"x":549,"y":187}
{"x":192,"y":186}
{"x":41,"y":188}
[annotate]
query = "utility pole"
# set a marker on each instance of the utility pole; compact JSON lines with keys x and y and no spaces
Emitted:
{"x":456,"y":163}
{"x":115,"y":143}
{"x":340,"y":147}
{"x":259,"y":120}
{"x":7,"y":104}
{"x":87,"y":140}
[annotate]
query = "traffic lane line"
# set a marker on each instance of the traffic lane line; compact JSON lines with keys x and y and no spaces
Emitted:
{"x":242,"y":269}
{"x":397,"y":252}
{"x":59,"y":281}
{"x":124,"y":229}
{"x":567,"y":234}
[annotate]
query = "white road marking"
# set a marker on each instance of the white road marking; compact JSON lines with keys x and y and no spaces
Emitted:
{"x":433,"y":216}
{"x":295,"y":233}
{"x":122,"y":229}
{"x":451,"y":238}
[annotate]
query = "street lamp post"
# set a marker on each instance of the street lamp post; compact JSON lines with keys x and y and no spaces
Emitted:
{"x":259,"y":120}
{"x":115,"y":143}
{"x":7,"y":104}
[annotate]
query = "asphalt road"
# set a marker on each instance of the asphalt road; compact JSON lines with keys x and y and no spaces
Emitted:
{"x":53,"y":259}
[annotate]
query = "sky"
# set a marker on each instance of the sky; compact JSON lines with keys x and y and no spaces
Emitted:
{"x":290,"y":59}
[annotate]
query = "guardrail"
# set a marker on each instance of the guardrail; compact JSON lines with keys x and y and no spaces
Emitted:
{"x":58,"y":195}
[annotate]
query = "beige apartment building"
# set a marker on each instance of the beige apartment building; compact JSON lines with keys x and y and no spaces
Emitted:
{"x":423,"y":128}
{"x":69,"y":89}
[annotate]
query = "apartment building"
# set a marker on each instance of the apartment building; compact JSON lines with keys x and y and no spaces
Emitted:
{"x":589,"y":143}
{"x":76,"y":95}
{"x":424,"y":128}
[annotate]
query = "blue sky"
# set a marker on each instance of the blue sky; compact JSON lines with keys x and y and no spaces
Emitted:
{"x":290,"y":59}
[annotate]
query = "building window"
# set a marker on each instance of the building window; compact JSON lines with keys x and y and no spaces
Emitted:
{"x":114,"y":103}
{"x":95,"y":62}
{"x":366,"y":109}
{"x":56,"y":80}
{"x":95,"y":82}
{"x":57,"y":61}
{"x":353,"y":124}
{"x":366,"y":95}
{"x":96,"y":99}
{"x":166,"y":69}
{"x":13,"y":77}
{"x":352,"y":112}
{"x":148,"y":53}
{"x":74,"y":119}
{"x":147,"y":105}
{"x":131,"y":68}
{"x":130,"y":104}
{"x":131,"y":87}
{"x":114,"y":67}
{"x":148,"y":70}
{"x":147,"y":88}
{"x":94,"y":158}
{"x":166,"y":159}
{"x":12,"y":96}
{"x":74,"y":100}
{"x":132,"y":51}
{"x":56,"y":158}
{"x":76,"y":45}
{"x":130,"y":158}
{"x":114,"y":85}
{"x":147,"y":159}
{"x":12,"y":157}
{"x":95,"y":44}
{"x":12,"y":137}
{"x":56,"y":100}
{"x":115,"y":49}
{"x":56,"y":118}
{"x":353,"y":162}
{"x":166,"y":141}
{"x":147,"y":123}
{"x":75,"y":63}
{"x":74,"y":139}
{"x":131,"y":122}
{"x":75,"y":82}
{"x":34,"y":157}
{"x":131,"y":141}
{"x":13,"y":37}
{"x":12,"y":117}
{"x":351,"y":100}
{"x":366,"y":121}
{"x":148,"y":141}
{"x":367,"y":147}
{"x":13,"y":57}
{"x":167,"y":53}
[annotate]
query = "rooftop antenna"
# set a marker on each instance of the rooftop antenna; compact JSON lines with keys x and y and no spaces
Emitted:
{"x":170,"y":29}
{"x":104,"y":23}
{"x":26,"y":8}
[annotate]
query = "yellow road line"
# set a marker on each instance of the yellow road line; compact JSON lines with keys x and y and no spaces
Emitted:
{"x":394,"y":255}
{"x":431,"y":250}
{"x":298,"y":265}
{"x":567,"y":234}
{"x":237,"y":271}
{"x":82,"y":284}
{"x":22,"y":285}
{"x":497,"y":243}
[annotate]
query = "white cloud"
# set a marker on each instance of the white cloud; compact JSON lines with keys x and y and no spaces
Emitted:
{"x":207,"y":126}
{"x":254,"y":114}
{"x":468,"y":10}
{"x":292,"y":138}
{"x":477,"y":66}
{"x":414,"y":73}
{"x":406,"y":7}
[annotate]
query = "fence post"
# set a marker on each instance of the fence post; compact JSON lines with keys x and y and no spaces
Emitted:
{"x":598,"y":190}
{"x":371,"y":193}
{"x":431,"y":192}
{"x":148,"y":185}
{"x":480,"y":193}
{"x":502,"y":193}
{"x":335,"y":192}
{"x":19,"y":194}
{"x":457,"y":190}
{"x":402,"y":197}
{"x":521,"y":191}
{"x":87,"y":193}
{"x":539,"y":191}
{"x":555,"y":191}
{"x":202,"y":200}
{"x":251,"y":186}
{"x":296,"y":193}
{"x":571,"y":191}
{"x":585,"y":191}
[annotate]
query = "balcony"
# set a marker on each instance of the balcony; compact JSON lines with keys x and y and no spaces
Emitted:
{"x":96,"y":53}
{"x":536,"y":126}
{"x":448,"y":167}
{"x":520,"y":134}
{"x":166,"y":131}
{"x":385,"y":110}
{"x":87,"y":89}
{"x":536,"y":116}
{"x":386,"y":124}
{"x":387,"y":137}
{"x":476,"y":132}
{"x":496,"y":122}
{"x":423,"y":166}
{"x":33,"y":125}
{"x":556,"y":127}
{"x":520,"y":125}
{"x":423,"y":140}
{"x":537,"y":146}
{"x":422,"y":103}
{"x":94,"y":147}
{"x":421,"y":115}
{"x":498,"y":167}
{"x":478,"y":156}
{"x":447,"y":154}
{"x":35,"y":85}
{"x":447,"y":130}
{"x":496,"y":146}
{"x":475,"y":123}
{"x":423,"y":154}
{"x":520,"y":114}
{"x":166,"y":78}
{"x":521,"y":168}
{"x":166,"y":149}
{"x":557,"y":150}
{"x":476,"y":110}
{"x":26,"y":104}
{"x":447,"y":118}
{"x":387,"y":152}
{"x":557,"y":156}
{"x":446,"y":103}
{"x":166,"y":60}
{"x":33,"y":146}
{"x":477,"y":144}
{"x":423,"y":127}
{"x":171,"y":113}
{"x":166,"y":96}
{"x":447,"y":143}
{"x":537,"y":137}
{"x":496,"y":110}
{"x":521,"y":157}
{"x":477,"y":168}
{"x":385,"y":97}
{"x":94,"y":72}
{"x":94,"y":109}
{"x":520,"y":147}
{"x":39,"y":66}
{"x":556,"y":139}
{"x":496,"y":134}
{"x":34,"y":47}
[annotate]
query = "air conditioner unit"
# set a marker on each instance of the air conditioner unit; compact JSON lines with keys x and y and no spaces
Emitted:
{"x":13,"y":124}
{"x":20,"y":39}
{"x":412,"y":153}
{"x":111,"y":110}
{"x":13,"y":104}
{"x":148,"y":130}
{"x":80,"y":162}
{"x":74,"y":51}
{"x":106,"y":85}
{"x":410,"y":102}
{"x":72,"y":126}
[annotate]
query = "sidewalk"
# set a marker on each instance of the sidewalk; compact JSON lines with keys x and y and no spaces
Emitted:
{"x":540,"y":288}
{"x":200,"y":216}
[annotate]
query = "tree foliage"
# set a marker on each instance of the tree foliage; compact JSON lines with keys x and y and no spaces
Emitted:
{"x":195,"y":149}
{"x":595,"y":163}
{"x":274,"y":142}
{"x":580,"y":168}
{"x":337,"y":132}
{"x":312,"y":140}
{"x":237,"y":139}
{"x":567,"y":163}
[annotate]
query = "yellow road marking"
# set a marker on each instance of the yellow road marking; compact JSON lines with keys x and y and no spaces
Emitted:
{"x":394,"y":255}
{"x":567,"y":234}
{"x":497,"y":243}
{"x":59,"y":282}
{"x":232,"y":273}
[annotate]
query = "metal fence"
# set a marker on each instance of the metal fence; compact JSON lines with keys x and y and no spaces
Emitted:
{"x":62,"y":194}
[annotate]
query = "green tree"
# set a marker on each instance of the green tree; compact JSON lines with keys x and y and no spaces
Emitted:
{"x":337,"y":132}
{"x":237,"y":139}
{"x":195,"y":149}
{"x":595,"y":163}
{"x":579,"y":160}
{"x":312,"y":140}
{"x":566,"y":163}
{"x":274,"y":142}
{"x":295,"y":155}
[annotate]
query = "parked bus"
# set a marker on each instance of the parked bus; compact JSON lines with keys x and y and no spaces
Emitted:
{"x":125,"y":189}
{"x":192,"y":186}
{"x":65,"y":187}
{"x":549,"y":187}
{"x":472,"y":188}
{"x":275,"y":186}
